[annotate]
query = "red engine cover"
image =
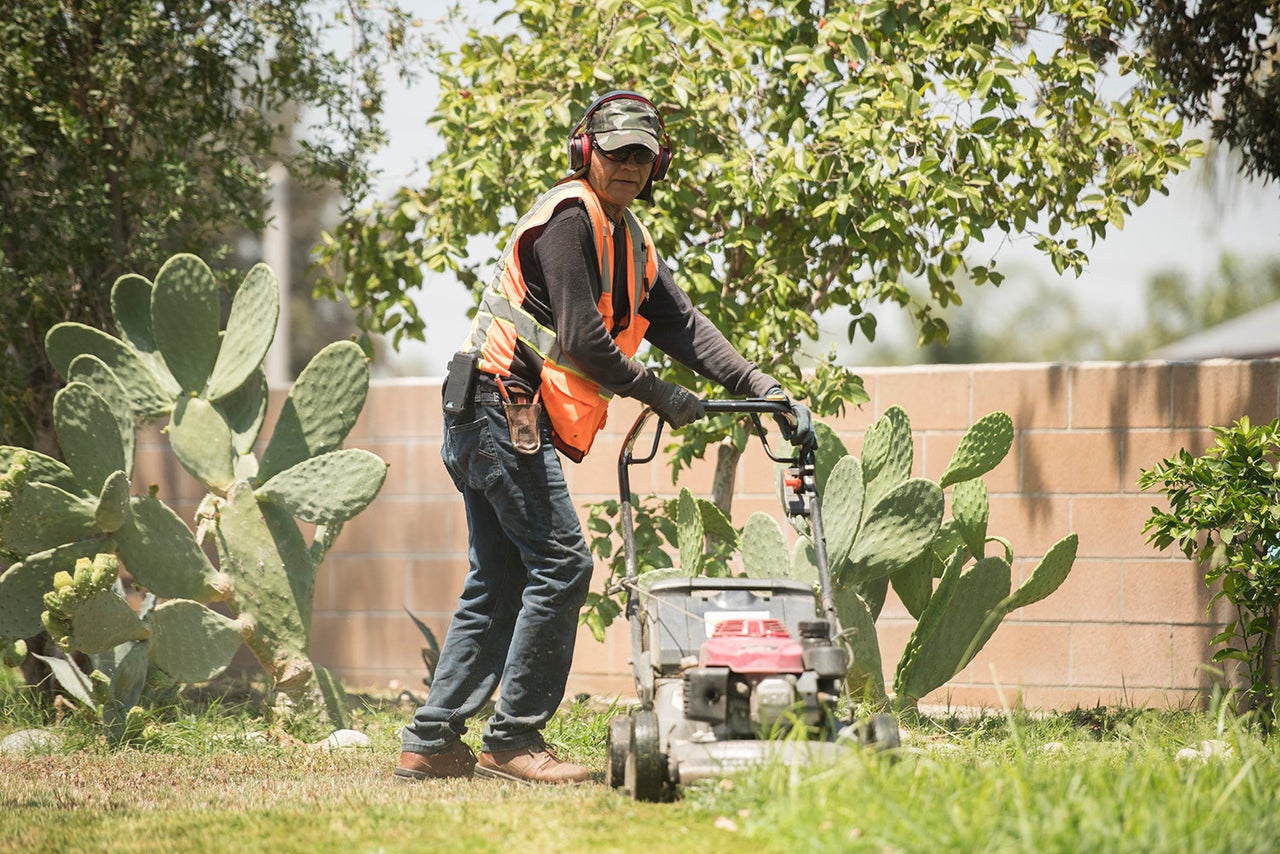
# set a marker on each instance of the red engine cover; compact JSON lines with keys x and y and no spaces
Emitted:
{"x":752,"y":646}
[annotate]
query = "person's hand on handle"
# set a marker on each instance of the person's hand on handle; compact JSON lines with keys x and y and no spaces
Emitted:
{"x":797,"y":428}
{"x":676,"y":404}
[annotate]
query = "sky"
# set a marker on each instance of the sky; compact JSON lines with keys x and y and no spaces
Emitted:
{"x":1189,"y":230}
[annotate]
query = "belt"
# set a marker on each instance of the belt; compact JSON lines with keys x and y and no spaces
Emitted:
{"x":488,"y":390}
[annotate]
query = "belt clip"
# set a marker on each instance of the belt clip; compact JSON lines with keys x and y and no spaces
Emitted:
{"x":522,"y":420}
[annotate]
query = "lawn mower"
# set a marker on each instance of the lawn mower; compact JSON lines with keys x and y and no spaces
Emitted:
{"x":731,"y":672}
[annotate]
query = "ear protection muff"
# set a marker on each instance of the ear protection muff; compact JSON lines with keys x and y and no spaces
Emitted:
{"x":580,"y":140}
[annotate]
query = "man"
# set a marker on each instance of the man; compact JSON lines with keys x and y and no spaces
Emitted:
{"x":577,"y":290}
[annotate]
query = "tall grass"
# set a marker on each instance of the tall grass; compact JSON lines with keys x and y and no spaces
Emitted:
{"x":214,"y":773}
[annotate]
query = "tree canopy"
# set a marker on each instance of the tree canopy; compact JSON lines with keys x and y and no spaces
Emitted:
{"x":1222,"y":59}
{"x":826,"y":154}
{"x":130,"y":130}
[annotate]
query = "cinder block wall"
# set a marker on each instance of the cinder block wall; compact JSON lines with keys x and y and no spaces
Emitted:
{"x":1129,"y":625}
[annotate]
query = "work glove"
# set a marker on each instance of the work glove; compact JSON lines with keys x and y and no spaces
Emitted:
{"x":796,"y":428}
{"x":676,"y":404}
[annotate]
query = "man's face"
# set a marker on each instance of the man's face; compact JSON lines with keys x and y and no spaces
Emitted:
{"x":618,"y":183}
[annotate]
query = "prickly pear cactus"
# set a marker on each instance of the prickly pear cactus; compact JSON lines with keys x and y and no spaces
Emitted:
{"x":885,"y":528}
{"x":65,"y":524}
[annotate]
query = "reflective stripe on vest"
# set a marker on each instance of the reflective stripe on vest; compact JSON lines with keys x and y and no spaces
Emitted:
{"x":576,"y":406}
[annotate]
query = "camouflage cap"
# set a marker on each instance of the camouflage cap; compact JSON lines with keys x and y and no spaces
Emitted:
{"x":625,"y":121}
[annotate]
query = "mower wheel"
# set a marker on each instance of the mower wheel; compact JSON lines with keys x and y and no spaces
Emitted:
{"x":645,"y":777}
{"x":880,"y":732}
{"x":617,"y":746}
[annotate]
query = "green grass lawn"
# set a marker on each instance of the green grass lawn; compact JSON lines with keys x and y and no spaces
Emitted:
{"x":196,"y":778}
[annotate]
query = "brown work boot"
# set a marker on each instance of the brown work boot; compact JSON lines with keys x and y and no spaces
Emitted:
{"x":532,"y":764}
{"x":456,"y":760}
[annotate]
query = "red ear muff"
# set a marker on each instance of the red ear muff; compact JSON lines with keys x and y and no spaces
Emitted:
{"x":663,"y":161}
{"x":579,"y":152}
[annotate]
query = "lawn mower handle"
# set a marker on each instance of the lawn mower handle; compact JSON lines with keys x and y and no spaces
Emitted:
{"x":803,"y":459}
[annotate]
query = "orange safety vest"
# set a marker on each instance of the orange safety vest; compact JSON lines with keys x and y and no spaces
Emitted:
{"x":576,"y":405}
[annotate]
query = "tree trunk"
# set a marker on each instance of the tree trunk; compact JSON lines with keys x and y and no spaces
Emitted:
{"x":726,"y":476}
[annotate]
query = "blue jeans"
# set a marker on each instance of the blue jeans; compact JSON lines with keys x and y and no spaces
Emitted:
{"x":530,"y":570}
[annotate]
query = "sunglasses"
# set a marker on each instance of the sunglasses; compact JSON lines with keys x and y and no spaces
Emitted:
{"x":634,"y":153}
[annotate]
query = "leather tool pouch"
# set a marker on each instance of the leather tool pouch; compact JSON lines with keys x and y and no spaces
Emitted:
{"x":522,"y":421}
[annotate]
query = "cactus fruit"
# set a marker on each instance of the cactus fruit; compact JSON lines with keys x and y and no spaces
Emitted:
{"x":84,"y":614}
{"x":174,"y":360}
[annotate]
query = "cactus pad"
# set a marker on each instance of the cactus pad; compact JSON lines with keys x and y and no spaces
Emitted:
{"x":1048,"y":574}
{"x":23,"y":585}
{"x":202,"y":442}
{"x":264,"y":554}
{"x":103,"y":621}
{"x":88,"y":435}
{"x":42,"y":516}
{"x":858,"y":636}
{"x":842,"y":509}
{"x":983,"y":447}
{"x":162,"y":554}
{"x":830,"y":451}
{"x":690,"y":533}
{"x":971,"y":510}
{"x":186,"y":317}
{"x":804,"y":563}
{"x":887,"y":455}
{"x":334,"y":487}
{"x":896,"y":530}
{"x":131,"y":308}
{"x":38,"y":468}
{"x":321,"y":409}
{"x":65,"y":341}
{"x":113,"y":505}
{"x":250,"y":330}
{"x":764,"y":548}
{"x":191,"y":643}
{"x":940,"y":654}
{"x":93,"y":372}
{"x":244,"y":410}
{"x":914,"y":583}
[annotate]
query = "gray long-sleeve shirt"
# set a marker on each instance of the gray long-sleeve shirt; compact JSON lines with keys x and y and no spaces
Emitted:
{"x":562,"y":274}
